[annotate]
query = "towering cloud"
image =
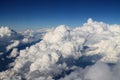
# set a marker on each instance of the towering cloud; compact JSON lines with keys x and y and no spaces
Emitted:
{"x":69,"y":54}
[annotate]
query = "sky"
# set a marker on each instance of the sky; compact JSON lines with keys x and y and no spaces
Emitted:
{"x":35,"y":14}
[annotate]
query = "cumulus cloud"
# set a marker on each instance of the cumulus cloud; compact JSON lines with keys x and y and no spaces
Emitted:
{"x":33,"y":35}
{"x":83,"y":53}
{"x":14,"y":52}
{"x":14,"y":44}
{"x":4,"y":31}
{"x":25,"y":40}
{"x":10,"y":38}
{"x":11,"y":42}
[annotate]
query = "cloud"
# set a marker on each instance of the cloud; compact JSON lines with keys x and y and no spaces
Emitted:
{"x":99,"y":71}
{"x":4,"y":31}
{"x":14,"y":53}
{"x":14,"y":44}
{"x":33,"y":35}
{"x":68,"y":54}
{"x":10,"y":38}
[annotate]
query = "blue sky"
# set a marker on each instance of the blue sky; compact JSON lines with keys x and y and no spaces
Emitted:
{"x":34,"y":14}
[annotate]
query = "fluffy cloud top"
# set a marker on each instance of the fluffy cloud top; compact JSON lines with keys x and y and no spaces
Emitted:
{"x":63,"y":51}
{"x":4,"y":31}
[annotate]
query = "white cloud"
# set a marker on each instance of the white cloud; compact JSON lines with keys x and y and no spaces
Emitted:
{"x":33,"y":35}
{"x":14,"y":44}
{"x":62,"y":49}
{"x":14,"y":53}
{"x":25,"y":40}
{"x":5,"y":31}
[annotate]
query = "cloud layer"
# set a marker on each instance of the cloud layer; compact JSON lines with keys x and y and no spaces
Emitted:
{"x":90,"y":52}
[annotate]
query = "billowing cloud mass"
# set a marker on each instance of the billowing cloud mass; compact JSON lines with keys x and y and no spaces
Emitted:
{"x":89,"y":52}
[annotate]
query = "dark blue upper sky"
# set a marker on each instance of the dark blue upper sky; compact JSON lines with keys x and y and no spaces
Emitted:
{"x":33,"y":14}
